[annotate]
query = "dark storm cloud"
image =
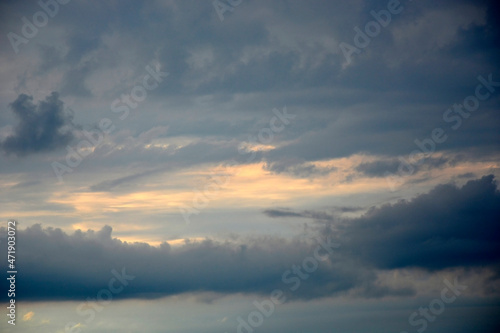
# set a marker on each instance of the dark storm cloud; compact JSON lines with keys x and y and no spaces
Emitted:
{"x":42,"y":127}
{"x":61,"y":266}
{"x":447,"y":227}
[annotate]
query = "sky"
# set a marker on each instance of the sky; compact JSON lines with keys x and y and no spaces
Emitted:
{"x":251,"y":166}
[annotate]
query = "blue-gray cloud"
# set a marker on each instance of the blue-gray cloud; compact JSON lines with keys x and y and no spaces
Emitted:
{"x":447,"y":227}
{"x":42,"y":127}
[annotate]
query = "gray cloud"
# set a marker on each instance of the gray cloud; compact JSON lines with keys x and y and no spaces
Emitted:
{"x":379,"y":104}
{"x":447,"y":227}
{"x":282,"y":213}
{"x":109,"y":185}
{"x":224,"y":80}
{"x":315,"y":215}
{"x":381,"y":167}
{"x":61,"y":266}
{"x":42,"y":127}
{"x":297,"y":168}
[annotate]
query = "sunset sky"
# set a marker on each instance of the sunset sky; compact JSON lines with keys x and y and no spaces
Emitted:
{"x":189,"y":158}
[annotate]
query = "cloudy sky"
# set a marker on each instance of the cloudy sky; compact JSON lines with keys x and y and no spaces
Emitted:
{"x":251,"y":166}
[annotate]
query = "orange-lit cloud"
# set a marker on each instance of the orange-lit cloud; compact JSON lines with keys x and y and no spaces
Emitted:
{"x":28,"y":316}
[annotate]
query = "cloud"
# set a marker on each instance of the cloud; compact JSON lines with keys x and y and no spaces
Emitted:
{"x":297,"y":168}
{"x":42,"y":127}
{"x":447,"y":227}
{"x":377,"y":105}
{"x":378,"y":168}
{"x":108,"y":185}
{"x":28,"y":316}
{"x":315,"y":215}
{"x":281,"y":213}
{"x":381,"y":167}
{"x":311,"y":214}
{"x":61,"y":266}
{"x":225,"y":79}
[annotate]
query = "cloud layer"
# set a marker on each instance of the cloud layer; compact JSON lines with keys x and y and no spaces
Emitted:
{"x":42,"y":127}
{"x":445,"y":228}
